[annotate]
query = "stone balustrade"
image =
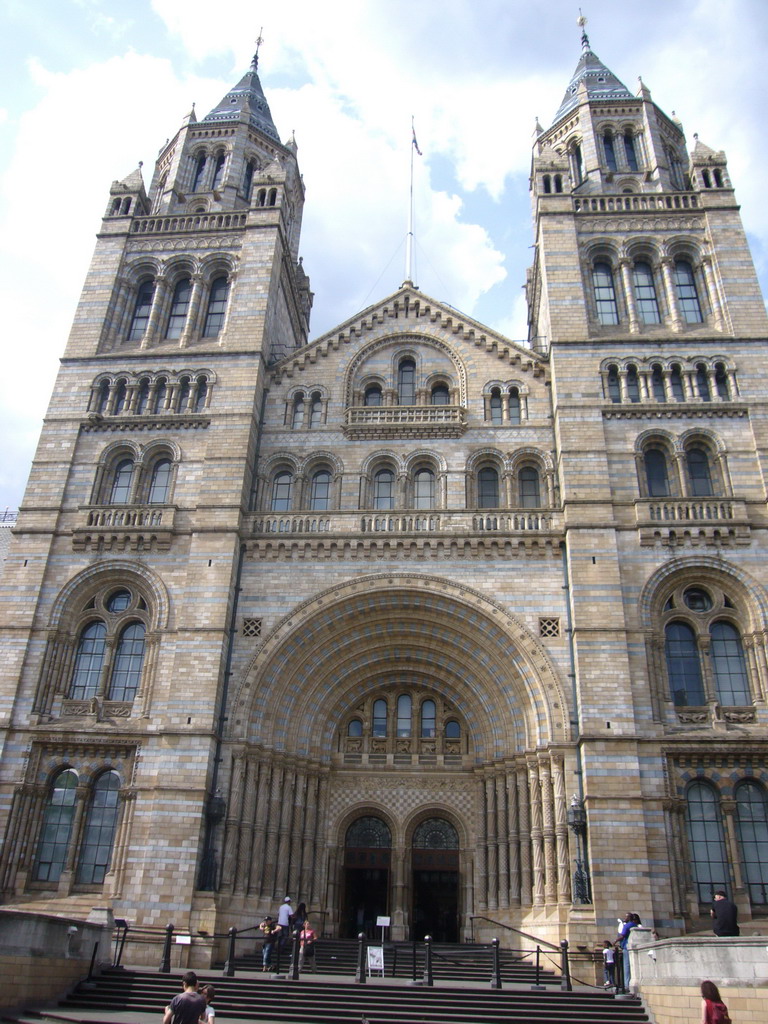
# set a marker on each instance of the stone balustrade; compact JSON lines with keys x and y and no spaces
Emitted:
{"x":665,"y":201}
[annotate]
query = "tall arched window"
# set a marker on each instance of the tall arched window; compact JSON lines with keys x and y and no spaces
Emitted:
{"x":217,"y":307}
{"x":179,"y":308}
{"x":88,"y":662}
{"x":218,"y":174}
{"x":514,"y":406}
{"x":629,"y":151}
{"x":721,"y":382}
{"x":141,"y":310}
{"x":57,"y":827}
{"x":121,"y":392}
{"x":297,"y":420}
{"x":197,"y":182}
{"x":657,"y":384}
{"x":657,"y":479}
{"x":676,"y":383}
{"x":161,"y":394}
{"x":372,"y":395}
{"x":495,"y":405}
{"x":709,"y":865}
{"x":728,"y":666}
{"x":752,"y":824}
{"x":160,"y":483}
{"x":424,"y":489}
{"x":380,"y":717}
{"x":282,"y":486}
{"x":614,"y":385}
{"x":577,"y":165}
{"x":530,"y":490}
{"x":428,"y":719}
{"x":645,"y":293}
{"x":440,"y":395}
{"x":699,"y":475}
{"x":488,"y":488}
{"x":702,"y":383}
{"x":316,"y":410}
{"x":250,"y":167}
{"x":610,"y":152}
{"x":129,"y":657}
{"x":404,"y":706}
{"x":202,"y":394}
{"x":605,"y":293}
{"x":633,"y":384}
{"x":384,"y":489}
{"x":99,"y":834}
{"x":683,"y":666}
{"x":183,"y":393}
{"x":320,"y":491}
{"x":121,"y":483}
{"x":142,"y":398}
{"x":406,"y":382}
{"x":103,"y":397}
{"x":687,"y":296}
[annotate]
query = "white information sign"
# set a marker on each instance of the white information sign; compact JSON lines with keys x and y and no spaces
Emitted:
{"x":382,"y":922}
{"x":375,"y":959}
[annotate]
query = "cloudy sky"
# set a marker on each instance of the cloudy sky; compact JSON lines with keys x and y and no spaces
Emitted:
{"x":92,"y":87}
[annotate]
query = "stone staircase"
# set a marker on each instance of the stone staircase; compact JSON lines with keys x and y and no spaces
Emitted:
{"x":138,"y":997}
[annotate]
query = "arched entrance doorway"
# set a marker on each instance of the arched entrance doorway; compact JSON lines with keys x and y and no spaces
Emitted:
{"x":435,"y":887}
{"x":367,"y":858}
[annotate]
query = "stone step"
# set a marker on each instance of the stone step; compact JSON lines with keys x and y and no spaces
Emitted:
{"x":315,"y":1000}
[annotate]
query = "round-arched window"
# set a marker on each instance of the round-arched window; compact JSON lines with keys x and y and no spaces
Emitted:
{"x":435,"y":834}
{"x":368,"y":832}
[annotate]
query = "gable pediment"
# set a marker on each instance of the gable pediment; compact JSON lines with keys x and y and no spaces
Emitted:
{"x":410,"y":313}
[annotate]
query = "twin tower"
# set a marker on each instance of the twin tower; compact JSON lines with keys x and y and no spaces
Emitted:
{"x":409,"y":620}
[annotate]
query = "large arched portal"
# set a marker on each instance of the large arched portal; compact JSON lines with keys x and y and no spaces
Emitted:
{"x":435,"y":885}
{"x":367,"y":858}
{"x":419,"y":703}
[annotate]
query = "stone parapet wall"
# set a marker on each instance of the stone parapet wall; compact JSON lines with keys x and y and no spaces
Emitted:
{"x":42,"y":956}
{"x":673,"y":1004}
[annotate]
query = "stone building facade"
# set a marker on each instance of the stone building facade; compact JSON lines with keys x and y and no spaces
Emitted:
{"x":411,"y":619}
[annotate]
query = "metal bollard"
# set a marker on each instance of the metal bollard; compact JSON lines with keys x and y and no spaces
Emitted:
{"x":565,"y":967}
{"x":360,"y":974}
{"x":229,"y":963}
{"x":428,"y":960}
{"x":295,"y":961}
{"x":165,"y":963}
{"x":496,"y":979}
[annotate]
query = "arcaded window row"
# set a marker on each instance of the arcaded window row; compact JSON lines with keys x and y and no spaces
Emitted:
{"x":386,"y":483}
{"x":637,"y":381}
{"x":145,"y":394}
{"x":644,"y":289}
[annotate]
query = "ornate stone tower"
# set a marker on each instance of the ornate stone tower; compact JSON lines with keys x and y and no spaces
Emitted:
{"x":195,"y":287}
{"x":644,"y":296}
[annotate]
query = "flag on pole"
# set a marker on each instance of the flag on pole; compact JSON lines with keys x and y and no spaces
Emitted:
{"x":415,"y":143}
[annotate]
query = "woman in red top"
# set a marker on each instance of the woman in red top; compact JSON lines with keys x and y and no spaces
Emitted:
{"x":713,"y":1009}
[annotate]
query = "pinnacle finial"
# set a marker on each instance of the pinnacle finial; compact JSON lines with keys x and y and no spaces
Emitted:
{"x":255,"y":61}
{"x":581,"y":21}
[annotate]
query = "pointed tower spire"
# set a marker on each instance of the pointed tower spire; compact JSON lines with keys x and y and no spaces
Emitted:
{"x":246,"y":98}
{"x":600,"y":83}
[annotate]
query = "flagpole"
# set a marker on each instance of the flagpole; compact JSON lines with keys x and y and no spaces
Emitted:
{"x":409,"y":237}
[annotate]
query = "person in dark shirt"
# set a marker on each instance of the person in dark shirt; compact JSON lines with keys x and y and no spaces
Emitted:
{"x":725,"y":915}
{"x":189,"y":1006}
